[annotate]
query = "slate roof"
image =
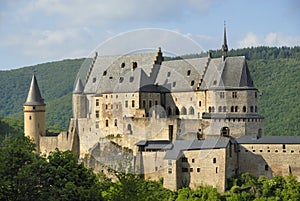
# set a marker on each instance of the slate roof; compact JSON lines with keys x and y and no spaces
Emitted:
{"x":79,"y":87}
{"x":269,"y":140}
{"x":231,"y":115}
{"x":34,"y":97}
{"x":108,"y":74}
{"x":183,"y":145}
{"x":115,"y":74}
{"x":155,"y":144}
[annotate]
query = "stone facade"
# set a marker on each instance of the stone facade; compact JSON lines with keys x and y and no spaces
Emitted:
{"x":192,"y":122}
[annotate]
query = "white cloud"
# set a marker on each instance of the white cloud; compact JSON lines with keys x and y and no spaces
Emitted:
{"x":271,"y":39}
{"x":250,"y":40}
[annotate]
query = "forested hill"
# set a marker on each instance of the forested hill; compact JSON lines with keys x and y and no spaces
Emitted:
{"x":275,"y":72}
{"x":55,"y":79}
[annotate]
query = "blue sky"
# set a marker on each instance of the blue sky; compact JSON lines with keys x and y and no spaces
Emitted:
{"x":38,"y":31}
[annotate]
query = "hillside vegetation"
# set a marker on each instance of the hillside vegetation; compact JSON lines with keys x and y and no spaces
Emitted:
{"x":275,"y":72}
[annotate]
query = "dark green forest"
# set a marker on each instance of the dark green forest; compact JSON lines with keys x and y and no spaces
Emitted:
{"x":27,"y":176}
{"x":275,"y":72}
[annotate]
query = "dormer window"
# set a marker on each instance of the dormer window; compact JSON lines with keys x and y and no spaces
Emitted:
{"x":131,"y":79}
{"x":192,"y":83}
{"x":134,"y":65}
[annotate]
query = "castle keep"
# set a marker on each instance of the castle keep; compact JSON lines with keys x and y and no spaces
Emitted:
{"x":189,"y":121}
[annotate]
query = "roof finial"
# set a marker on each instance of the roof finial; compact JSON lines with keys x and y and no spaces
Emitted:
{"x":224,"y":46}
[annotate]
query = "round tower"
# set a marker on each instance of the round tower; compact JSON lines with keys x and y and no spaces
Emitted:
{"x":79,"y":101}
{"x":34,"y":114}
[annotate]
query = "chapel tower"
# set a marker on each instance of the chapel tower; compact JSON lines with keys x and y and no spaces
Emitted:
{"x":34,"y":114}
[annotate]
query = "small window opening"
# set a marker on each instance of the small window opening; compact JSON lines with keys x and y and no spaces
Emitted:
{"x":188,"y":73}
{"x":123,"y":65}
{"x":105,"y":73}
{"x":214,"y":160}
{"x":131,"y":79}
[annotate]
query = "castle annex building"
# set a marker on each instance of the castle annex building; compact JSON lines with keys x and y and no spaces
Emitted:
{"x":189,"y":121}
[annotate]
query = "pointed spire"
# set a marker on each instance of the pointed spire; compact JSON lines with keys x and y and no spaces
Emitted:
{"x":224,"y":46}
{"x":34,"y":95}
{"x":79,"y":87}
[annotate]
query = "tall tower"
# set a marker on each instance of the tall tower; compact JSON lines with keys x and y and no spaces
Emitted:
{"x":224,"y":45}
{"x":79,"y":101}
{"x":34,"y":114}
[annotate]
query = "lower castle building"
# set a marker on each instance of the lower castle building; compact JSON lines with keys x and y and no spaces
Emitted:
{"x":189,"y":121}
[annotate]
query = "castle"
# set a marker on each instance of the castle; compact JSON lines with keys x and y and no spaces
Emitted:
{"x":191,"y":122}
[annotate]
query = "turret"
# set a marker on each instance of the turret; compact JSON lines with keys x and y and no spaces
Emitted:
{"x":79,"y":100}
{"x":34,"y":114}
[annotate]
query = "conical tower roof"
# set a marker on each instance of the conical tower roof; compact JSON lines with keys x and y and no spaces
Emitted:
{"x":34,"y":95}
{"x":79,"y":87}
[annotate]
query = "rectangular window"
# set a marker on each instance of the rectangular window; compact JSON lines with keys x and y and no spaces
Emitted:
{"x":266,"y":167}
{"x":184,"y":159}
{"x":144,"y":104}
{"x":126,"y":104}
{"x":199,"y":103}
{"x":169,"y":162}
{"x":214,"y":160}
{"x":222,"y":94}
{"x":97,"y":124}
{"x":193,"y":160}
{"x":156,"y":102}
{"x":198,"y":169}
{"x":234,"y":94}
{"x":97,"y":113}
{"x":132,"y":104}
{"x":191,"y":170}
{"x":185,"y":169}
{"x":169,"y":170}
{"x":150,"y":103}
{"x":97,"y":102}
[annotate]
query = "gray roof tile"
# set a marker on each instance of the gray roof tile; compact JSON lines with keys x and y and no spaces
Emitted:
{"x":34,"y":95}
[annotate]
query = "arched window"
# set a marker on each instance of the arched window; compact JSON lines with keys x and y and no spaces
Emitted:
{"x":129,"y":127}
{"x":176,"y":111}
{"x":209,"y":109}
{"x":106,"y":122}
{"x":236,"y":109}
{"x":183,"y":111}
{"x":251,"y":108}
{"x":220,"y":109}
{"x":212,"y":109}
{"x":224,"y":108}
{"x":116,"y":122}
{"x":255,"y":108}
{"x":232,"y":109}
{"x":191,"y":110}
{"x":244,"y":109}
{"x":225,"y":131}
